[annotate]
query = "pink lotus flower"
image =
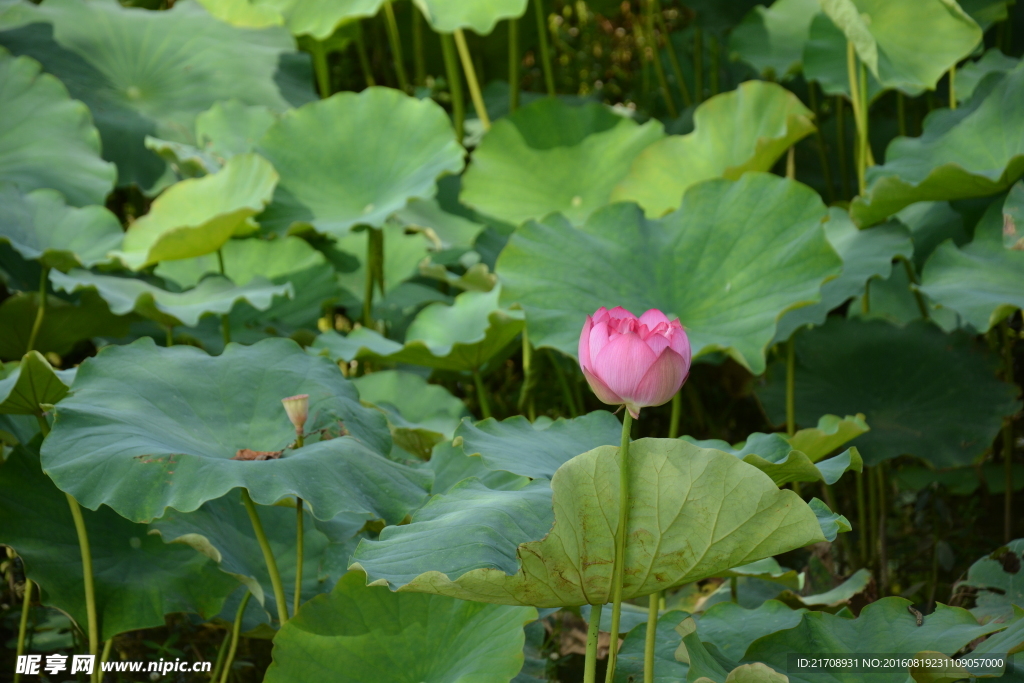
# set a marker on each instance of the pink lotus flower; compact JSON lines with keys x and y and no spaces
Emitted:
{"x":634,"y":361}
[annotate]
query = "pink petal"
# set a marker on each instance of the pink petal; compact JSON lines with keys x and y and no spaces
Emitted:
{"x":620,"y":312}
{"x":680,"y":343}
{"x":583,"y":351}
{"x":623,"y":362}
{"x":661,"y":381}
{"x":601,"y":389}
{"x":599,"y":337}
{"x":600,"y":315}
{"x":657,"y":342}
{"x":652,"y":317}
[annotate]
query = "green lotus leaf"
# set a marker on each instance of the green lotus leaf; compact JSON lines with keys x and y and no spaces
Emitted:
{"x":703,"y":666}
{"x":445,"y":230}
{"x":746,"y":129}
{"x":536,"y":450}
{"x":214,"y":295}
{"x":923,"y":392}
{"x":550,"y":156}
{"x":138,"y":579}
{"x":451,"y":465}
{"x":667,"y":669}
{"x":831,"y":432}
{"x":360,"y":633}
{"x":931,"y":224}
{"x":146,"y":73}
{"x":197,"y":216}
{"x":47,"y":138}
{"x":973,"y":151}
{"x":774,"y":456}
{"x":420,"y":415}
{"x":446,"y":16}
{"x":33,"y":383}
{"x":187,"y":161}
{"x":835,"y":597}
{"x":883,"y":627}
{"x":999,"y":581}
{"x":735,"y":257}
{"x":164,"y":424}
{"x":64,"y":325}
{"x":771,"y":39}
{"x":986,"y":12}
{"x":1013,"y":217}
{"x":894,"y":301}
{"x":315,"y":18}
{"x":906,"y":44}
{"x":768,"y":569}
{"x":1009,"y":641}
{"x":703,"y":510}
{"x":865,"y":253}
{"x":222,"y":531}
{"x":982,"y":281}
{"x":732,"y":629}
{"x":461,"y":337}
{"x":355,"y":159}
{"x":41,"y":227}
{"x":824,"y":60}
{"x":971,"y":74}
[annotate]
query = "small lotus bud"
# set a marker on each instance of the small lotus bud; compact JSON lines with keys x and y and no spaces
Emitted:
{"x":297,"y":408}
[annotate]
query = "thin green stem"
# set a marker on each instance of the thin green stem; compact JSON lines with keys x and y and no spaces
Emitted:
{"x":26,"y":605}
{"x":952,"y":87}
{"x":673,"y":58}
{"x":619,"y":568}
{"x":734,"y":589}
{"x":790,"y":387}
{"x":513,"y":64}
{"x":545,"y":50}
{"x":268,"y":557}
{"x":525,"y":403}
{"x":474,"y":87}
{"x":236,"y":629}
{"x":865,"y":303}
{"x":677,"y":411}
{"x":90,"y":589}
{"x":481,"y":394}
{"x":1009,"y":337}
{"x":299,"y":543}
{"x":593,"y":631}
{"x":104,"y":656}
{"x":418,"y":55}
{"x":698,"y":65}
{"x":901,"y":113}
{"x":451,"y":68}
{"x":395,"y":41}
{"x":862,"y":520}
{"x":872,"y":486}
{"x":655,"y":55}
{"x":41,"y":311}
{"x":374,"y":271}
{"x":855,"y":97}
{"x":653,"y":601}
{"x":922,"y":307}
{"x":564,"y":384}
{"x":883,"y":553}
{"x":844,"y":170}
{"x":221,"y":653}
{"x":715,"y":63}
{"x":169,"y":336}
{"x":364,"y":60}
{"x":321,"y":68}
{"x":225,"y":322}
{"x":826,"y":168}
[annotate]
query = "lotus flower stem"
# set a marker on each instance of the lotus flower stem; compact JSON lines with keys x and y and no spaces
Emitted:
{"x":673,"y":58}
{"x":221,"y":652}
{"x":593,"y":630}
{"x":236,"y":628}
{"x":481,"y":394}
{"x":225,"y":322}
{"x":734,"y":589}
{"x":922,"y":307}
{"x":952,"y":87}
{"x":26,"y":605}
{"x":525,"y":403}
{"x":790,"y":387}
{"x":858,"y":114}
{"x":374,"y":271}
{"x":654,"y":601}
{"x":104,"y":656}
{"x":545,"y":50}
{"x":716,"y":63}
{"x":564,"y":384}
{"x":698,"y":66}
{"x":364,"y":60}
{"x":659,"y":70}
{"x":395,"y":41}
{"x":320,"y":68}
{"x":883,"y":554}
{"x":41,"y":311}
{"x":418,"y":58}
{"x":826,"y":169}
{"x":169,"y":337}
{"x":299,"y":538}
{"x":451,"y":69}
{"x":1008,"y":339}
{"x":474,"y":87}
{"x":862,"y":520}
{"x":677,"y":411}
{"x":619,"y":568}
{"x":90,"y":589}
{"x":513,"y":64}
{"x":844,"y":172}
{"x":268,"y":557}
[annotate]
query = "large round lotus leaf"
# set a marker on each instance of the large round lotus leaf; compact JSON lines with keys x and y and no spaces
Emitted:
{"x":445,"y":230}
{"x":884,"y":627}
{"x":971,"y":74}
{"x":214,"y":295}
{"x":360,"y":633}
{"x":221,"y":530}
{"x":732,"y":629}
{"x":923,"y":392}
{"x":729,"y":263}
{"x":138,"y":578}
{"x":865,"y":253}
{"x":146,"y":73}
{"x":550,"y":156}
{"x":830,"y":433}
{"x":32,"y":383}
{"x":746,"y":129}
{"x":536,"y":450}
{"x":693,"y":513}
{"x":973,"y":151}
{"x":460,"y":337}
{"x":41,"y":227}
{"x":906,"y":44}
{"x":355,"y":159}
{"x":316,"y":18}
{"x":150,"y":428}
{"x":445,"y":16}
{"x":47,"y":140}
{"x":197,"y":216}
{"x":771,"y":39}
{"x":825,"y":60}
{"x":999,"y":581}
{"x":451,"y":465}
{"x":982,"y":281}
{"x":64,"y":324}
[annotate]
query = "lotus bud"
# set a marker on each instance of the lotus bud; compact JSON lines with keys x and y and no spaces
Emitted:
{"x":636,"y":362}
{"x":297,"y":408}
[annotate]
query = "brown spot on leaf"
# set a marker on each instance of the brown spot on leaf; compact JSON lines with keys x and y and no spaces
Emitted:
{"x":1010,"y":561}
{"x":249,"y":454}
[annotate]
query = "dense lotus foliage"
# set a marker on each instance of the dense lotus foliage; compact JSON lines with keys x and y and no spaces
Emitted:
{"x":493,"y":341}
